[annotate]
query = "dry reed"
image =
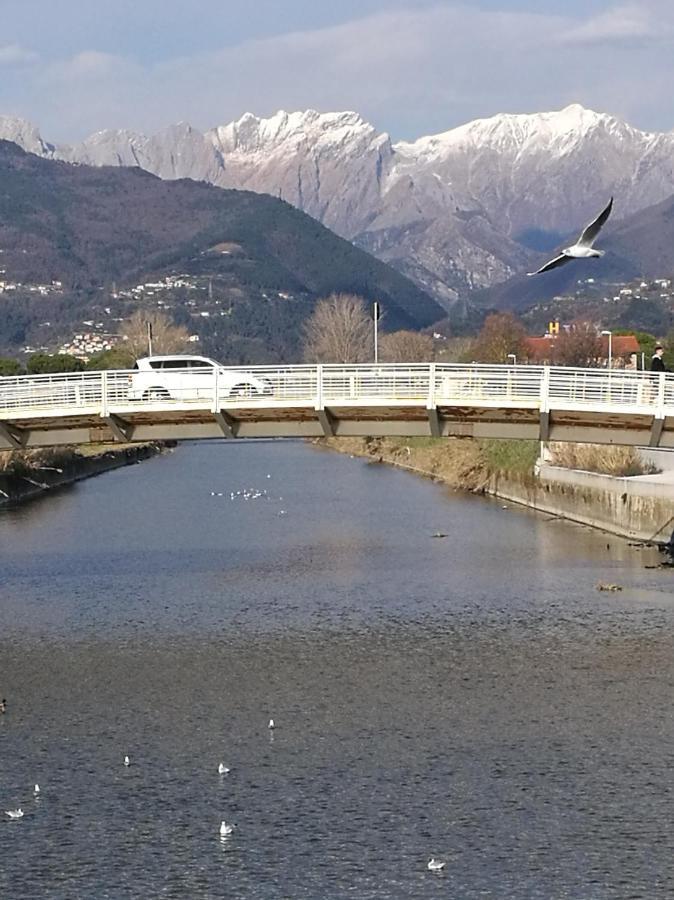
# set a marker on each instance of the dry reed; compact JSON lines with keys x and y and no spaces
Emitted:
{"x":601,"y":458}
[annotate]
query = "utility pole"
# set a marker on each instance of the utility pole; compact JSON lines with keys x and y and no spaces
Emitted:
{"x":149,"y":338}
{"x":375,"y":315}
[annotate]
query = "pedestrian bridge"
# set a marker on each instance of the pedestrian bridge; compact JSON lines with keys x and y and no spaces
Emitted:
{"x":485,"y":401}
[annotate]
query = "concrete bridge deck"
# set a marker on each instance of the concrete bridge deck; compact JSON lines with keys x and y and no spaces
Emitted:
{"x":524,"y":402}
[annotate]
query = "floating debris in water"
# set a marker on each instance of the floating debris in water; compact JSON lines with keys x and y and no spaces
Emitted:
{"x":603,"y":586}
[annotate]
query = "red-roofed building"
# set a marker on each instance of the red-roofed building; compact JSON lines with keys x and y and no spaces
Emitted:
{"x":624,"y":350}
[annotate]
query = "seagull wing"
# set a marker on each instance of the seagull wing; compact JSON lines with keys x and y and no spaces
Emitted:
{"x":589,"y":236}
{"x":560,"y":260}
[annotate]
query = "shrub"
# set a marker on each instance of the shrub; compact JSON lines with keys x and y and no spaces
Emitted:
{"x":603,"y":459}
{"x":44,"y":364}
{"x":9,"y":367}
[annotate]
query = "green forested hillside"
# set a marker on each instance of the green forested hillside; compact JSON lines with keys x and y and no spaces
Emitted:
{"x":100,"y":231}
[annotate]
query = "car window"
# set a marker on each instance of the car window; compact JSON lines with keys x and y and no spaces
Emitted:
{"x":200,"y":364}
{"x":155,"y":364}
{"x":175,"y":363}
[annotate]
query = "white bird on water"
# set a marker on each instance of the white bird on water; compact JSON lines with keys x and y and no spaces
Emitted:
{"x":14,"y":813}
{"x":226,"y":829}
{"x":435,"y":865}
{"x":36,"y":789}
{"x":583,"y":248}
{"x":271,"y":725}
{"x":127,"y":761}
{"x":222,"y":769}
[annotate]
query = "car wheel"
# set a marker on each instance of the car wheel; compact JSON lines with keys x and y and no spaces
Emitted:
{"x":242,"y":390}
{"x":156,"y":393}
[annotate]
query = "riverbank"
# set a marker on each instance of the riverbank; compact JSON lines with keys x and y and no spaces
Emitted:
{"x":465,"y":465}
{"x":632,"y":508}
{"x":30,"y":474}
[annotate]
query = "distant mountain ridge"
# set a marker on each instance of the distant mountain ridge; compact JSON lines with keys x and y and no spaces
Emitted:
{"x":454,"y":211}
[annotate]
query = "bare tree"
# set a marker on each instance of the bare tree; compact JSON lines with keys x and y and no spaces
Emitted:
{"x":579,"y":345}
{"x":167,"y":337}
{"x":501,"y":335}
{"x":406,"y":347}
{"x":339,"y":331}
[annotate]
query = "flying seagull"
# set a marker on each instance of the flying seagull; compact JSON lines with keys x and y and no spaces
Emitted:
{"x":582,"y":249}
{"x":222,"y":769}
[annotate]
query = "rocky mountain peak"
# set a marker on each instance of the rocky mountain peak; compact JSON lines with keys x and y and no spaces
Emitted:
{"x":290,"y":130}
{"x":521,"y":132}
{"x":25,"y":134}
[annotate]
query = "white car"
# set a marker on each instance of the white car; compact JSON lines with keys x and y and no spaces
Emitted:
{"x":181,"y":377}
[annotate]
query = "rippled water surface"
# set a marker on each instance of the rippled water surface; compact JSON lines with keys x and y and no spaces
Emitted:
{"x":472,"y":698}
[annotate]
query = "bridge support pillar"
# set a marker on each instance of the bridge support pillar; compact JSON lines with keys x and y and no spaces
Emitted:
{"x":15,"y":437}
{"x":657,"y":428}
{"x":326,"y":421}
{"x":122,"y":430}
{"x":227,"y":425}
{"x":434,"y":421}
{"x":544,"y":427}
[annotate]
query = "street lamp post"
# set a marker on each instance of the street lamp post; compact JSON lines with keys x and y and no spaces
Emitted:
{"x":610,"y":348}
{"x":513,"y":356}
{"x":376,"y":313}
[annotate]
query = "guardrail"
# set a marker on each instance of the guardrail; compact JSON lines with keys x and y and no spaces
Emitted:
{"x":436,"y":384}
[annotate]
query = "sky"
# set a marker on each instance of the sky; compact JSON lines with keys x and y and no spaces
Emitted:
{"x":410,"y":67}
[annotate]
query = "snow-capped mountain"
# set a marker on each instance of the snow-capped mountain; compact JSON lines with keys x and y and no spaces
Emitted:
{"x":453,"y":210}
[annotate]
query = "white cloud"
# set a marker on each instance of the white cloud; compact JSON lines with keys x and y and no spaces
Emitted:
{"x":622,"y":24}
{"x":410,"y":72}
{"x":15,"y":55}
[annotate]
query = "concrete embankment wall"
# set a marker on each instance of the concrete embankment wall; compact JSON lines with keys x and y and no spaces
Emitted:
{"x":19,"y":486}
{"x":631,"y":508}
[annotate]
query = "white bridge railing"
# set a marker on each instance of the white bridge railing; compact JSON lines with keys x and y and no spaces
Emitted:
{"x":436,"y":384}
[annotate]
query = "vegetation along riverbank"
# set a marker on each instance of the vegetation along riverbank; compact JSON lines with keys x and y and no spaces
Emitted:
{"x":29,"y":473}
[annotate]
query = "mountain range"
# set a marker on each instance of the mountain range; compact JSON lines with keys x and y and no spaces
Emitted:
{"x":458,"y":211}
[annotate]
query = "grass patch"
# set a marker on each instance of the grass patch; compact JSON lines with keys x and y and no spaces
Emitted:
{"x":510,"y":456}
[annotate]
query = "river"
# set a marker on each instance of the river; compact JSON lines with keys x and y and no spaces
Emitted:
{"x":472,"y":698}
